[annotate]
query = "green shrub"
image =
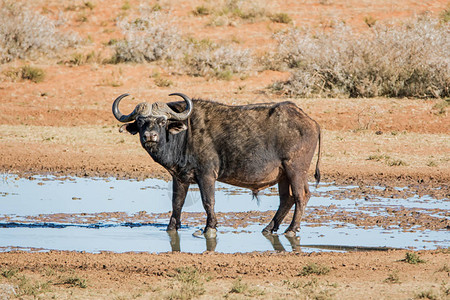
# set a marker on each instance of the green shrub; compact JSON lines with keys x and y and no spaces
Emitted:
{"x":281,"y":18}
{"x":162,"y":82}
{"x":393,"y":278}
{"x":445,"y":15}
{"x":315,"y":269}
{"x":413,"y":258}
{"x":32,"y":73}
{"x":239,"y":287}
{"x":202,"y":11}
{"x":191,"y":284}
{"x":75,"y":282}
{"x":8,"y":273}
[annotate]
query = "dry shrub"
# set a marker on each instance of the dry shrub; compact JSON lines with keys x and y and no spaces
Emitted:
{"x":206,"y":58}
{"x":409,"y":60}
{"x":149,"y":38}
{"x":155,"y":38}
{"x":25,"y":34}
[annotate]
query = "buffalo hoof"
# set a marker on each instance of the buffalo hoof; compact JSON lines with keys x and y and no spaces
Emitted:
{"x":269,"y":228}
{"x":290,"y":233}
{"x":198,"y":233}
{"x":210,"y":233}
{"x":266,"y":232}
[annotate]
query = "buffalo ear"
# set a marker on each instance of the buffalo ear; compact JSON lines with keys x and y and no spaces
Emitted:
{"x":130,"y":128}
{"x":176,"y":127}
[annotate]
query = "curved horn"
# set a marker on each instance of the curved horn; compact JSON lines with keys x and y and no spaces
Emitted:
{"x":187,"y":112}
{"x":140,"y":109}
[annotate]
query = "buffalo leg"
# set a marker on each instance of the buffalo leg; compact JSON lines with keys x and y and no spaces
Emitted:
{"x":207,"y":190}
{"x":300,"y":194}
{"x":286,"y":202}
{"x":179,"y":191}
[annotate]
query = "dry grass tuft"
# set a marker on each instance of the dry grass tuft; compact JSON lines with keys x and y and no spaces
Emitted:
{"x":25,"y":72}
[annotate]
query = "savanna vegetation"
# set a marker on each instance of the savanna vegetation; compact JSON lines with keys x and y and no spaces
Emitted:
{"x":395,"y":59}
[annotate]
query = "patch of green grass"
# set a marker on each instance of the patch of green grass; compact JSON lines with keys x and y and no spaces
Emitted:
{"x":432,"y":163}
{"x":445,"y":268}
{"x":28,"y":287}
{"x":370,"y":21}
{"x":281,"y":18}
{"x":89,"y":5}
{"x":75,"y":282}
{"x":393,"y":278}
{"x":239,"y":287}
{"x":413,"y":258}
{"x":313,"y":289}
{"x":378,"y":157}
{"x":314,"y":269}
{"x":396,"y":162}
{"x":445,"y":289}
{"x":79,"y":59}
{"x":387,"y":159}
{"x":156,"y":7}
{"x":32,"y":73}
{"x":82,"y":18}
{"x":8,"y":273}
{"x":440,"y":108}
{"x":190,"y":284}
{"x":114,"y":80}
{"x":163,"y":82}
{"x":126,"y":6}
{"x":224,"y":74}
{"x":445,"y":15}
{"x":430,"y":295}
{"x":202,"y":11}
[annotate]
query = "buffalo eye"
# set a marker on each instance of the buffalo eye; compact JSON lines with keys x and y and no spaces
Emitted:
{"x":140,"y":122}
{"x":161,"y":121}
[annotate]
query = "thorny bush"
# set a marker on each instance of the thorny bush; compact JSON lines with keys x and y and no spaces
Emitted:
{"x":25,"y":34}
{"x":154,"y":38}
{"x":409,"y":60}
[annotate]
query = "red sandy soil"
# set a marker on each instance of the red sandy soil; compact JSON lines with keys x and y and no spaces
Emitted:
{"x":64,"y":126}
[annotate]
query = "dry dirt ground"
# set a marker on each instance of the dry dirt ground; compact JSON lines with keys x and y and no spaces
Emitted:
{"x":64,"y":125}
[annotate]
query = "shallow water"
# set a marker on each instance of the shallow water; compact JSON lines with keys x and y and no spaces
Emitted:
{"x":93,"y":215}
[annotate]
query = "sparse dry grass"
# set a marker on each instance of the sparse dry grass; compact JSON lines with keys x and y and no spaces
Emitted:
{"x":25,"y":72}
{"x":226,"y":12}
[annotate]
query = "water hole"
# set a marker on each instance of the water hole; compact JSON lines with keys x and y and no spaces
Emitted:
{"x":42,"y":213}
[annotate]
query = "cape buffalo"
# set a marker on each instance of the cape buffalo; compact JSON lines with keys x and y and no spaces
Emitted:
{"x":251,"y":146}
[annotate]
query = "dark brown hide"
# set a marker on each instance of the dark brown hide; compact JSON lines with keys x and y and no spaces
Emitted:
{"x":252,"y":146}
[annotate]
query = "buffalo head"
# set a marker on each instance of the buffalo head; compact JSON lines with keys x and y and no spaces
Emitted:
{"x":153,"y":121}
